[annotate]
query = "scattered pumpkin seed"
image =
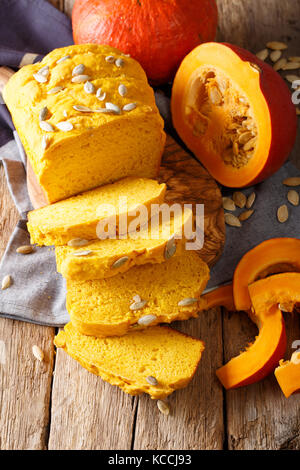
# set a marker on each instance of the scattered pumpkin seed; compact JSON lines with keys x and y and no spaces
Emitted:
{"x":65,"y":126}
{"x":129,"y":106}
{"x":295,"y":359}
{"x":137,"y":298}
{"x":275,"y":55}
{"x":101,"y":96}
{"x":80,"y":78}
{"x":146,"y":320}
{"x":82,"y":109}
{"x":43,"y":113}
{"x":250,"y":200}
{"x":54,"y":90}
{"x":152,"y":380}
{"x":279,"y":64}
{"x":38,"y":353}
{"x":45,"y":141}
{"x":120,"y":262}
{"x":228,"y":204}
{"x":122,"y":90}
{"x":44,"y":71}
{"x":282,"y":213}
{"x":110,"y":59}
{"x":113,"y":107}
{"x":187,"y":301}
{"x":46,"y":126}
{"x":293,"y":197}
{"x":6,"y":282}
{"x":232,"y":220}
{"x":78,"y":242}
{"x":119,"y":62}
{"x":82,"y":253}
{"x":277,"y":45}
{"x":294,"y":59}
{"x":40,"y":78}
{"x":138,"y":305}
{"x":291,"y":66}
{"x":170,"y":248}
{"x":239,"y":199}
{"x":59,"y":61}
{"x":292,"y":181}
{"x":262,"y":55}
{"x":102,"y":110}
{"x":25,"y":249}
{"x":292,"y":78}
{"x":245,"y":215}
{"x":89,"y":87}
{"x":163,"y":407}
{"x":65,"y":113}
{"x":78,"y":70}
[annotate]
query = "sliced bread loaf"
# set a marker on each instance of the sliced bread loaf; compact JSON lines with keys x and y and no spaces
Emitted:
{"x":138,"y":361}
{"x":78,"y":216}
{"x":106,"y":258}
{"x":144,"y":295}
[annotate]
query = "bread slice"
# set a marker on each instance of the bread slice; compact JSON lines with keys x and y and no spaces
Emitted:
{"x":99,"y":132}
{"x":107,"y":258}
{"x":107,"y":307}
{"x":78,"y":216}
{"x":159,"y":352}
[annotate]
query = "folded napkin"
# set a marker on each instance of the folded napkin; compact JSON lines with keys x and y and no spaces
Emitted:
{"x":37,"y":293}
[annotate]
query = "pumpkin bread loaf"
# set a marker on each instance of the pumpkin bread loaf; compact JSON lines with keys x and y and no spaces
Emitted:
{"x":145,"y":295}
{"x":106,"y":258}
{"x":78,"y":216}
{"x":86,"y":116}
{"x":135,"y":361}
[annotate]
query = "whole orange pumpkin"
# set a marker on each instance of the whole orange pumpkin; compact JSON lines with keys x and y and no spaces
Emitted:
{"x":157,"y":33}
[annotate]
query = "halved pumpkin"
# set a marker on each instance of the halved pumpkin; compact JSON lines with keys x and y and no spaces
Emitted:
{"x":288,"y":375}
{"x":234,"y":112}
{"x":220,"y":297}
{"x":261,"y":357}
{"x":271,"y":256}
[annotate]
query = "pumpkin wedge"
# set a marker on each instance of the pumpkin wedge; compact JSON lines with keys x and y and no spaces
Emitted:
{"x":220,"y":297}
{"x":234,"y":112}
{"x":288,"y":375}
{"x":272,"y":256}
{"x":261,"y":357}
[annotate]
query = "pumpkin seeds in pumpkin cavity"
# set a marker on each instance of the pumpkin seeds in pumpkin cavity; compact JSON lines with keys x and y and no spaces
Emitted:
{"x":232,"y":220}
{"x":113,"y":108}
{"x":129,"y":106}
{"x":138,"y":305}
{"x":82,"y":109}
{"x":152,"y":380}
{"x":292,"y":181}
{"x":228,"y":204}
{"x":82,"y":253}
{"x":38,"y":353}
{"x":25,"y":249}
{"x":78,"y":70}
{"x":89,"y":87}
{"x":65,"y":126}
{"x":262,"y":55}
{"x":119,"y":62}
{"x":59,"y":61}
{"x":163,"y":407}
{"x":188,"y":301}
{"x":239,"y":199}
{"x":245,"y":215}
{"x":282,"y":213}
{"x":6,"y":282}
{"x":80,"y":78}
{"x":110,"y":59}
{"x":78,"y":242}
{"x":276,"y":45}
{"x":120,"y":262}
{"x":43,"y":113}
{"x":146,"y":320}
{"x":101,"y":96}
{"x":293,"y":197}
{"x":46,"y":126}
{"x":122,"y":90}
{"x":250,"y":200}
{"x":54,"y":90}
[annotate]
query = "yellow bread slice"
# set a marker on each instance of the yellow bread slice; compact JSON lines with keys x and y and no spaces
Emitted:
{"x":170,"y":357}
{"x":107,"y":258}
{"x":104,"y":307}
{"x":88,"y":144}
{"x":78,"y":216}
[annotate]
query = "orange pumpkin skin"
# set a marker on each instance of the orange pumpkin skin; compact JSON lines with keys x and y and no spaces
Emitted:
{"x":269,"y":97}
{"x":157,"y":33}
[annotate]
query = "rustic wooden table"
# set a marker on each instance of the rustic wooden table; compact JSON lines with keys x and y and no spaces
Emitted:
{"x":59,"y":405}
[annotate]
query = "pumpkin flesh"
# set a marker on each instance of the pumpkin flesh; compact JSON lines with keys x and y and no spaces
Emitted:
{"x":220,"y":297}
{"x":288,"y":375}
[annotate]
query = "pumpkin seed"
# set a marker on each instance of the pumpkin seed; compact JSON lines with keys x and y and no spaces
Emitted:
{"x":65,"y":126}
{"x":80,"y":78}
{"x":25,"y":249}
{"x":282,"y":213}
{"x":292,"y":78}
{"x":137,"y":298}
{"x":46,"y":126}
{"x":276,"y":45}
{"x":294,"y":59}
{"x":152,"y":380}
{"x":112,"y":107}
{"x":122,"y":90}
{"x":262,"y":55}
{"x":163,"y":407}
{"x":43,"y":113}
{"x":298,"y":111}
{"x":119,"y":62}
{"x":82,"y":253}
{"x":250,"y":200}
{"x":170,"y":248}
{"x":44,"y":71}
{"x":40,"y":78}
{"x":146,"y":320}
{"x":82,"y":109}
{"x":6,"y":282}
{"x":139,"y":306}
{"x":245,"y":215}
{"x":232,"y":220}
{"x":45,"y":142}
{"x":120,"y":262}
{"x":250,"y":144}
{"x":283,"y":308}
{"x":245,"y":137}
{"x":78,"y":242}
{"x":101,"y":96}
{"x":103,"y":110}
{"x":292,"y":181}
{"x":295,"y":359}
{"x":291,"y":66}
{"x":110,"y":59}
{"x":239,"y":199}
{"x":89,"y":87}
{"x":129,"y":106}
{"x":78,"y":70}
{"x":54,"y":90}
{"x":215,"y":95}
{"x":293,"y":197}
{"x":228,"y":204}
{"x":279,"y":64}
{"x":59,"y":61}
{"x":275,"y":55}
{"x":38,"y":353}
{"x":187,"y":301}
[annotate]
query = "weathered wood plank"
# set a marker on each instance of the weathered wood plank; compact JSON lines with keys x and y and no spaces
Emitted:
{"x":68,"y":6}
